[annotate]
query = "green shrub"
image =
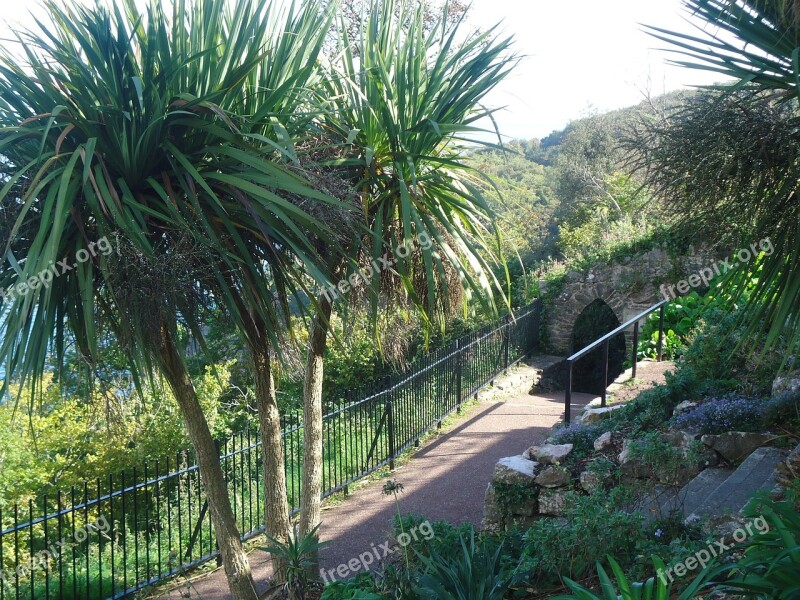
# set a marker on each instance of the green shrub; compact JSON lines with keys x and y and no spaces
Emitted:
{"x":445,"y":534}
{"x":581,"y":436}
{"x":782,"y":410}
{"x":299,"y":554}
{"x":591,"y":526}
{"x":770,"y":567}
{"x":358,"y":588}
{"x":650,"y":409}
{"x":655,"y":588}
{"x":474,"y":572}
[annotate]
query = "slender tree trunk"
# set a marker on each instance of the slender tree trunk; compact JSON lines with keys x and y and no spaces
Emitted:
{"x":310,"y":503}
{"x":234,"y":559}
{"x":276,"y":506}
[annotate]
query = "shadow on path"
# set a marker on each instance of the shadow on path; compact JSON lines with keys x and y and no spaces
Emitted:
{"x":446,"y":480}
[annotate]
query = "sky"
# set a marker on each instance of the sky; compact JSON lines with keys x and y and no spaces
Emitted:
{"x":579,"y":57}
{"x":583,"y":56}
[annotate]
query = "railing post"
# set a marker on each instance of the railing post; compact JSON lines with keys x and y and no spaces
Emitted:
{"x":506,"y":342}
{"x":568,"y":393}
{"x":459,"y":378}
{"x":217,"y":445}
{"x":635,"y":351}
{"x":390,"y":425}
{"x":606,"y":345}
{"x":660,"y":333}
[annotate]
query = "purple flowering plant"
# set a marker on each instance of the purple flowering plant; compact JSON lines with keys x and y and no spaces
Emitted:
{"x":728,"y":413}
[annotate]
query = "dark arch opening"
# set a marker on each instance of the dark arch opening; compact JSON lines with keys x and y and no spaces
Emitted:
{"x":594,"y":322}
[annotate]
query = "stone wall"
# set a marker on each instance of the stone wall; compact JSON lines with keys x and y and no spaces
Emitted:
{"x":628,"y":288}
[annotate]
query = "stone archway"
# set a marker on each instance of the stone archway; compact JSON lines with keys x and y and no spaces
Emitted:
{"x":594,"y":321}
{"x":568,"y":308}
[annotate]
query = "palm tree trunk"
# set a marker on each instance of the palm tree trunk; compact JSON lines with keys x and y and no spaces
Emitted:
{"x":234,"y":559}
{"x":276,"y":507}
{"x":310,"y":503}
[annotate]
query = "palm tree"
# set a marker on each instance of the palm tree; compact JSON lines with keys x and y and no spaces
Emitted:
{"x":122,"y":125}
{"x":402,"y":97}
{"x":756,"y":43}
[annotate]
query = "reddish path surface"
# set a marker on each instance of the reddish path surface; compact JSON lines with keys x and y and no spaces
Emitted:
{"x":445,"y":479}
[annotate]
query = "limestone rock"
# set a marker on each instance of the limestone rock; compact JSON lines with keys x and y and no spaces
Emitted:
{"x":590,"y":481}
{"x":550,"y":454}
{"x":492,"y":515}
{"x":789,"y":471}
{"x":573,"y":277}
{"x":624,"y":455}
{"x":528,"y":508}
{"x":679,"y":439}
{"x":684,"y":407}
{"x":736,"y":445}
{"x":603,"y":442}
{"x":552,"y":502}
{"x":553,"y":477}
{"x":514,"y":470}
{"x":523,"y":521}
{"x":593,"y":415}
{"x":632,"y":468}
{"x":786,"y":383}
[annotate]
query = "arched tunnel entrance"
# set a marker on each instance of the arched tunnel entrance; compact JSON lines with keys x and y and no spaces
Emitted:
{"x":596,"y":320}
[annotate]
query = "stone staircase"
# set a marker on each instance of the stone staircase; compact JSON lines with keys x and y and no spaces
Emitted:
{"x":719,"y":491}
{"x":548,"y":373}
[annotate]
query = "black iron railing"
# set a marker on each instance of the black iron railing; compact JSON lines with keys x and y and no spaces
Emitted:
{"x":111,"y":538}
{"x":605,"y":343}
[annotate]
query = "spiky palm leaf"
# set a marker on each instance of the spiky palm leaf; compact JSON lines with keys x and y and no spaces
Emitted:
{"x":403,"y":104}
{"x":133,"y":125}
{"x":757,"y":44}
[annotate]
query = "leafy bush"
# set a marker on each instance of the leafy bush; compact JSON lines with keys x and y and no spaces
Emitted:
{"x":581,"y":436}
{"x":718,"y":415}
{"x":783,"y":410}
{"x":299,"y":555}
{"x":445,"y":534}
{"x":474,"y":573}
{"x":655,"y":588}
{"x":358,"y":588}
{"x":663,"y":459}
{"x":771,"y":562}
{"x":591,"y":526}
{"x":63,"y":441}
{"x":651,"y":408}
{"x":681,"y":316}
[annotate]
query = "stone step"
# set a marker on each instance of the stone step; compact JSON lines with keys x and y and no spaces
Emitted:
{"x":549,"y":373}
{"x":698,"y":490}
{"x":757,"y":472}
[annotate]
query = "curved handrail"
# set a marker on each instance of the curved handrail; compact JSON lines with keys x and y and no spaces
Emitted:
{"x":604,"y":341}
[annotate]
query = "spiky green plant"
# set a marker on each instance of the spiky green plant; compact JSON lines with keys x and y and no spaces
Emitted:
{"x":756,"y":43}
{"x":404,"y":107}
{"x":655,"y":588}
{"x":142,"y":128}
{"x":397,"y":105}
{"x":473,"y":574}
{"x":771,"y":563}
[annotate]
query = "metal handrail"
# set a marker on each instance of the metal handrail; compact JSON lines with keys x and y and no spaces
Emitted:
{"x":604,"y":341}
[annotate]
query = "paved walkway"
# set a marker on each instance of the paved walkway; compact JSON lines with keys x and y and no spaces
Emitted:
{"x":445,"y":479}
